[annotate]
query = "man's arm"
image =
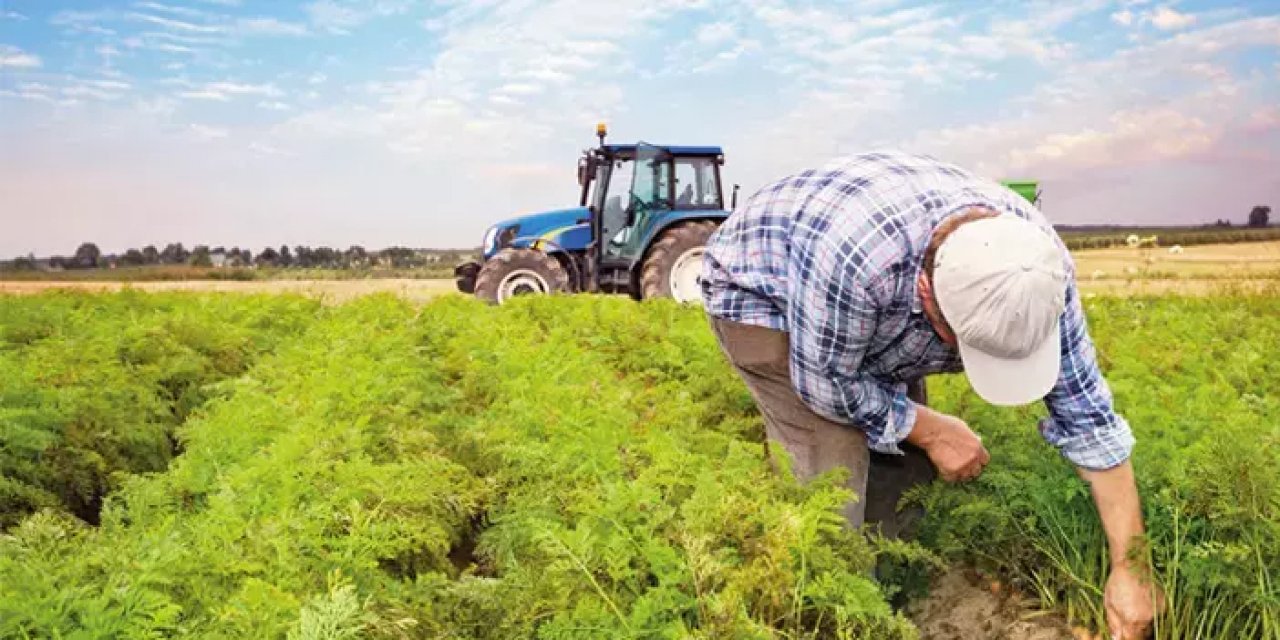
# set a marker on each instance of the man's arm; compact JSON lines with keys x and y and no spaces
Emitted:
{"x":1130,"y":596}
{"x":832,"y":315}
{"x":1084,"y":425}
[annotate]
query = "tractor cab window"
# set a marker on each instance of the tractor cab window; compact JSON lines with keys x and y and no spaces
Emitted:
{"x":646,"y":191}
{"x":697,"y":184}
{"x":612,"y":186}
{"x":613,"y":199}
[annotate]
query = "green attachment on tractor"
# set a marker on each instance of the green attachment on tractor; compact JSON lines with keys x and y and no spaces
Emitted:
{"x":1028,"y":189}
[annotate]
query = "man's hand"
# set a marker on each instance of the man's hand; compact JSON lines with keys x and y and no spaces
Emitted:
{"x":951,"y":445}
{"x":1131,"y":602}
{"x":1131,"y":597}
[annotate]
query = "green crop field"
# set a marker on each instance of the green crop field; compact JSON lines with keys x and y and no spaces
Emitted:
{"x":250,"y":466}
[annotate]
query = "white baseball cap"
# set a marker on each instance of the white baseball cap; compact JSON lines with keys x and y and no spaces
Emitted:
{"x":1001,"y":285}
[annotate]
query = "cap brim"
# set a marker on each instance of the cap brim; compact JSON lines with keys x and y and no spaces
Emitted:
{"x":1008,"y":382}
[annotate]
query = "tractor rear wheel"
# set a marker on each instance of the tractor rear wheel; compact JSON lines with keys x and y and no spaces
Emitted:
{"x":674,"y":266}
{"x":517,"y":272}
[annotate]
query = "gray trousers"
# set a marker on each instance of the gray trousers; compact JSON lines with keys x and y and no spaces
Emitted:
{"x":761,"y":357}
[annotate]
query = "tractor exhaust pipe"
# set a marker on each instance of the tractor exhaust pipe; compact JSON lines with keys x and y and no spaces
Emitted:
{"x":733,"y":205}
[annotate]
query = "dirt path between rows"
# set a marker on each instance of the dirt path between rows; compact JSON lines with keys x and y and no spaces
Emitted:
{"x":962,"y":606}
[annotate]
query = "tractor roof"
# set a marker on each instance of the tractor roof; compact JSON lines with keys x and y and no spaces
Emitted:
{"x":676,"y":150}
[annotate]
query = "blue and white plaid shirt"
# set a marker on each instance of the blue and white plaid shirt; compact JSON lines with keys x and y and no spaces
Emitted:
{"x":831,"y":257}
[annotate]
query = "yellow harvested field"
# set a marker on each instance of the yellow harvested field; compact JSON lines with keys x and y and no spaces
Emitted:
{"x":1217,"y":261}
{"x":1204,"y":269}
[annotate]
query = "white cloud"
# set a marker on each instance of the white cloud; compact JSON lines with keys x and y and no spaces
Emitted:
{"x":333,"y":122}
{"x":715,"y":33}
{"x":237,"y":88}
{"x":268,"y":150}
{"x":26,"y":95}
{"x":87,"y":91}
{"x":339,"y":16}
{"x":170,"y":23}
{"x":224,"y":91}
{"x":204,"y":94}
{"x":165,"y":42}
{"x":177,"y":11}
{"x":1123,"y":18}
{"x":207,"y":133}
{"x":519,"y":89}
{"x":34,"y":91}
{"x":162,"y":106}
{"x":1167,"y":19}
{"x":12,"y":15}
{"x":317,"y":78}
{"x":14,"y":58}
{"x":109,"y":84}
{"x":270,"y":27}
{"x":83,"y":22}
{"x":274,"y":105}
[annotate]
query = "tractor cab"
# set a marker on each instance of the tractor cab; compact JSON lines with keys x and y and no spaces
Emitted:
{"x":643,"y":217}
{"x":637,"y":190}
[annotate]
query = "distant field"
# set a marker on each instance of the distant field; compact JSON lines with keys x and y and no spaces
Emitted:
{"x":1121,"y":271}
{"x":329,"y":290}
{"x":1197,"y":269}
{"x":173,"y":273}
{"x":1106,"y":237}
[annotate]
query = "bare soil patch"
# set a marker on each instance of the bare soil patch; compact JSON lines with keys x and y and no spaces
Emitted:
{"x":963,"y":606}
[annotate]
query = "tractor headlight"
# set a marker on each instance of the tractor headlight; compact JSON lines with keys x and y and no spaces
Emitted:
{"x":490,"y":238}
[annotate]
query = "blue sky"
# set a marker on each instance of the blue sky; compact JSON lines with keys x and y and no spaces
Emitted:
{"x":380,"y":122}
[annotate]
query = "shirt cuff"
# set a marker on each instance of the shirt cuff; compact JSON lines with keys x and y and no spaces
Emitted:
{"x":901,"y":418}
{"x":1097,"y":450}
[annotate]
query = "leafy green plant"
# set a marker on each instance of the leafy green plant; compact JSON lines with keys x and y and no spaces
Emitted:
{"x":566,"y":468}
{"x":1195,"y":377}
{"x":462,"y":472}
{"x":94,"y":386}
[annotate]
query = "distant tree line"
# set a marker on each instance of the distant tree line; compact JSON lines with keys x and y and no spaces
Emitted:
{"x":89,"y":256}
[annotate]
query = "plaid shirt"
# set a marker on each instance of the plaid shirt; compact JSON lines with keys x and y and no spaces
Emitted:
{"x":831,"y":257}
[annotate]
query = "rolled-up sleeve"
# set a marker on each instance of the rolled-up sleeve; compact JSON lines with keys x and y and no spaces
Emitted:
{"x":832,"y":317}
{"x":1083,"y":423}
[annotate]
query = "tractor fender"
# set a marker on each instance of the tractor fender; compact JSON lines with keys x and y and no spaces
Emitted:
{"x":674,"y":218}
{"x":678,"y":217}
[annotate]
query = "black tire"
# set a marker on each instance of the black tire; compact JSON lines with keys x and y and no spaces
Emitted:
{"x":515,"y":272}
{"x":666,"y":252}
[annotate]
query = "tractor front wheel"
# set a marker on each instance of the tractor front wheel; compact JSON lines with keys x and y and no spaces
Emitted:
{"x":518,"y":272}
{"x":674,"y":266}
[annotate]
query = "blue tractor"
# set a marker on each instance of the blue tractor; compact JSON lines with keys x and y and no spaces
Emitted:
{"x":643,"y":218}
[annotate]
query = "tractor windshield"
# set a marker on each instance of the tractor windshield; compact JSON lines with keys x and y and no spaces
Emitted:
{"x":649,"y":192}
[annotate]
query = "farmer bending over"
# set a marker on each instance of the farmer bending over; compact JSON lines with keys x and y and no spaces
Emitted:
{"x":833,"y":292}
